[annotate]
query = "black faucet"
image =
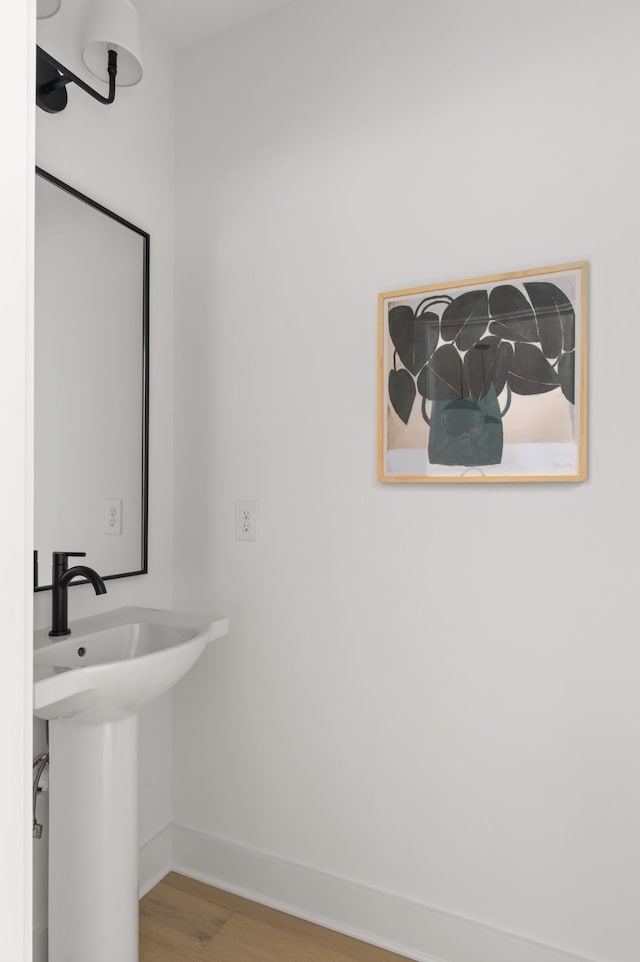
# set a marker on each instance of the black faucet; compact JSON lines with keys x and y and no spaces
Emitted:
{"x":61,"y":577}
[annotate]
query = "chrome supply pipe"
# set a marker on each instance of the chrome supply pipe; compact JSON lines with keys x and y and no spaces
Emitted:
{"x":40,"y":762}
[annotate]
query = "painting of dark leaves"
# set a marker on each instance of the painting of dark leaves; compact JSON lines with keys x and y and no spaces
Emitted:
{"x":473,"y":362}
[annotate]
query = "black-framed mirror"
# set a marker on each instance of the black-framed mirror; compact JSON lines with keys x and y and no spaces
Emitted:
{"x":91,"y":384}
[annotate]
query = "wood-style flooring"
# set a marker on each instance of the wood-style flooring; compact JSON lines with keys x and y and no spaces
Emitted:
{"x":186,"y":921}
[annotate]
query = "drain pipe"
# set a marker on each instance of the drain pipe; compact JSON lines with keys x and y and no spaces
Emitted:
{"x":40,"y":762}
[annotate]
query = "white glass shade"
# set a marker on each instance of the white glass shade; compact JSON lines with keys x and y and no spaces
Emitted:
{"x":47,"y":8}
{"x":113,"y":25}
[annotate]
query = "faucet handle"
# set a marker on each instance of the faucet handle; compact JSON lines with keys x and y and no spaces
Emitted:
{"x":60,"y":557}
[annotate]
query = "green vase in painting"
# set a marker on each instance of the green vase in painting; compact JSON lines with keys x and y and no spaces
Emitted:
{"x":465,"y":432}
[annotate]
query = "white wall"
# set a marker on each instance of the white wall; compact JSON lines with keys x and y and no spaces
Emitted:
{"x":429,"y":690}
{"x":122,"y":156}
{"x":16,"y":480}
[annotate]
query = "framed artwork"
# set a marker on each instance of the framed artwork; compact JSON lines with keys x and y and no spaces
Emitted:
{"x":485,"y":380}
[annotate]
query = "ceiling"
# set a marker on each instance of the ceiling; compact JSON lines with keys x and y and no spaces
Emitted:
{"x":185,"y":21}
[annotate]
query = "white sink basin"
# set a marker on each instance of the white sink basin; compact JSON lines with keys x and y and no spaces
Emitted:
{"x":111,"y":665}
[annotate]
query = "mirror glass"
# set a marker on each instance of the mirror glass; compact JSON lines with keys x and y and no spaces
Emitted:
{"x":91,"y":384}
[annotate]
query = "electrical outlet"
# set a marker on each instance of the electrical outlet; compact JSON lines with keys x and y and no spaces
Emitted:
{"x":246,"y":521}
{"x":113,"y":516}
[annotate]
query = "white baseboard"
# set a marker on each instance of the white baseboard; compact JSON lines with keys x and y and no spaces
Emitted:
{"x":384,"y":919}
{"x":154,"y":860}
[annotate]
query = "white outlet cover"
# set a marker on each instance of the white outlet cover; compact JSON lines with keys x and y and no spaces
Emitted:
{"x":245,"y":521}
{"x":113,"y":516}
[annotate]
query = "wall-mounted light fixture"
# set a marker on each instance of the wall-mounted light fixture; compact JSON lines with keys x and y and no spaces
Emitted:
{"x":111,"y":51}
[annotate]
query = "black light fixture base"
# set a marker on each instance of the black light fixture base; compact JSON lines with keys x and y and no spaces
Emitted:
{"x":52,"y":78}
{"x":51,"y":98}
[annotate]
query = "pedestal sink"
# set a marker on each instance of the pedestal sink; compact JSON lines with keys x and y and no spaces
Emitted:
{"x":90,"y":687}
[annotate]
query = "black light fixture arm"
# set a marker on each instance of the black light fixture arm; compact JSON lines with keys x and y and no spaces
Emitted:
{"x":53,"y":77}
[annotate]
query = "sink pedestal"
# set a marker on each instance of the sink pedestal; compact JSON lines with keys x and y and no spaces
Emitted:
{"x":93,"y":856}
{"x":90,"y":686}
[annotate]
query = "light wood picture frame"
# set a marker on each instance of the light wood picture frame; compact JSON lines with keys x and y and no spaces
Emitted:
{"x":485,"y":380}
